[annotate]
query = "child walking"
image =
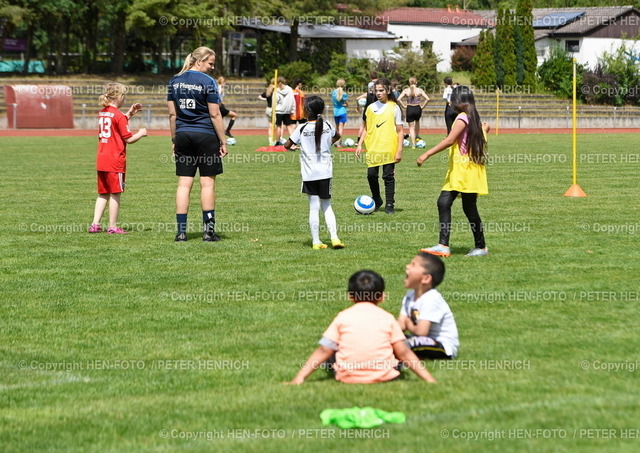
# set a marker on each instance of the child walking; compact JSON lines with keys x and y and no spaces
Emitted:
{"x":467,"y":174}
{"x":316,"y":164}
{"x":366,"y":340}
{"x":383,"y":137}
{"x":111,"y":161}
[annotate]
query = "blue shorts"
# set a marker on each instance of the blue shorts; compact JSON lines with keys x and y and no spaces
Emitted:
{"x":340,"y":118}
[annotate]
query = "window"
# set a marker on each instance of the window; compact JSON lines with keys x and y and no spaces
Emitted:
{"x":571,"y":45}
{"x":426,"y":45}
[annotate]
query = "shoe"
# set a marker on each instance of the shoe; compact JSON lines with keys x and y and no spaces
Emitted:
{"x":181,"y":237}
{"x":389,"y":209}
{"x":116,"y":231}
{"x":210,"y":236}
{"x":228,"y":134}
{"x":413,"y":147}
{"x":418,"y":138}
{"x":337,"y":244}
{"x":319,"y":246}
{"x":407,"y":136}
{"x":478,"y":252}
{"x":438,"y":250}
{"x":379,"y":204}
{"x":95,"y":228}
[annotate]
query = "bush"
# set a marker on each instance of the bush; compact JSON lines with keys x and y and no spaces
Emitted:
{"x":355,"y":71}
{"x":599,"y":87}
{"x":419,"y":64}
{"x":297,"y":70}
{"x":556,"y":73}
{"x":461,"y":58}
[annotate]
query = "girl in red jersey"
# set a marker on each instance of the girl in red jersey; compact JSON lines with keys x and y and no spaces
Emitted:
{"x":111,"y":161}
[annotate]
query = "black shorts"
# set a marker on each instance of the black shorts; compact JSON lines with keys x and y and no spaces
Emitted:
{"x":284,"y":118}
{"x":427,"y":348}
{"x":197,"y":151}
{"x":321,"y":188}
{"x":223,"y":110}
{"x":414,"y":113}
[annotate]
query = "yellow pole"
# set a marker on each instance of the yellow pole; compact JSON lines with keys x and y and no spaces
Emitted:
{"x":575,"y":127}
{"x":497,"y":110}
{"x":575,"y":190}
{"x":274,"y":101}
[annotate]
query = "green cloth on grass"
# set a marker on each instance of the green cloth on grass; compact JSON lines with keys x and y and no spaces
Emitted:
{"x":360,"y":417}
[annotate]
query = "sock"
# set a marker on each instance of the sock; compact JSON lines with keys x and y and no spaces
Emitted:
{"x":230,"y":125}
{"x":209,"y":220}
{"x":181,"y":220}
{"x":330,"y":218}
{"x":314,"y":218}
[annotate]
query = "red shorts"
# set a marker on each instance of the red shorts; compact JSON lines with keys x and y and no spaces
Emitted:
{"x":110,"y":182}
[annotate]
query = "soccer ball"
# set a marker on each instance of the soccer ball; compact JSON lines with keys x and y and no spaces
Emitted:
{"x":421,"y":144}
{"x":231,"y":141}
{"x":362,"y":102}
{"x":364,"y":204}
{"x":406,"y":142}
{"x":349,"y":142}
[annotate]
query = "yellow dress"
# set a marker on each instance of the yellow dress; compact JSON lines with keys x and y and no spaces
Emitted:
{"x":381,"y":140}
{"x":464,"y":175}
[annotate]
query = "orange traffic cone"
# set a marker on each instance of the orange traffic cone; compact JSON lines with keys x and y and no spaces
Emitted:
{"x":575,"y":191}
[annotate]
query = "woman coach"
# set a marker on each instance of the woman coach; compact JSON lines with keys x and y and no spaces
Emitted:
{"x":197,"y":133}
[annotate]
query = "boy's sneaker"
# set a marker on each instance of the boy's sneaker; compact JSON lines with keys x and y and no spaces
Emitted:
{"x":228,"y":134}
{"x":438,"y":250}
{"x":116,"y":231}
{"x":337,"y":244}
{"x":478,"y":252}
{"x":181,"y":237}
{"x":95,"y":228}
{"x":210,"y":236}
{"x":389,"y":209}
{"x":378,"y":203}
{"x":319,"y":246}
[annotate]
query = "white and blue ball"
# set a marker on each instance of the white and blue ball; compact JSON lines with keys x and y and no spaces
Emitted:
{"x":406,"y":142}
{"x":349,"y":142}
{"x":364,"y":204}
{"x":362,"y":102}
{"x":231,"y":141}
{"x":421,"y":144}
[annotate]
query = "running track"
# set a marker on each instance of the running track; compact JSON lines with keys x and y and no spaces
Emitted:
{"x":241,"y":132}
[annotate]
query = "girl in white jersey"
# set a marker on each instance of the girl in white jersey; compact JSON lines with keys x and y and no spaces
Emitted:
{"x":315,"y":139}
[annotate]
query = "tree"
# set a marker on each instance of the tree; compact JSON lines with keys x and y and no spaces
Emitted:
{"x":525,"y":45}
{"x":316,"y":12}
{"x":505,"y":50}
{"x":484,"y":68}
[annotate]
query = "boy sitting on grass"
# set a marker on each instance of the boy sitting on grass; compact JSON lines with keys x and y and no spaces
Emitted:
{"x":366,"y":340}
{"x":425,"y":314}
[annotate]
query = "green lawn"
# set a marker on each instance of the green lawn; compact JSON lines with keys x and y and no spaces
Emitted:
{"x":137,"y":343}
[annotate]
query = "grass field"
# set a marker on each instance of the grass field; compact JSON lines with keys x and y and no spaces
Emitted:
{"x":136,"y":343}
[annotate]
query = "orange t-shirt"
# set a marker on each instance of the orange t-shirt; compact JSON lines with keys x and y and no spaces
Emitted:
{"x":364,"y":334}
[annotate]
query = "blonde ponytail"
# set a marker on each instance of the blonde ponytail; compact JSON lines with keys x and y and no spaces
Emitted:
{"x":113,"y":91}
{"x":201,"y":53}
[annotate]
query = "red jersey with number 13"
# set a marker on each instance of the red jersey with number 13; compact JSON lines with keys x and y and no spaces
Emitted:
{"x":113,"y":128}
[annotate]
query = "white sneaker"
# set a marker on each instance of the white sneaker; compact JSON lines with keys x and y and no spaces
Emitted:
{"x":478,"y":252}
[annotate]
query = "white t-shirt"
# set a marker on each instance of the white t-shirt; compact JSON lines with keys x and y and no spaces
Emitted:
{"x":446,"y":94}
{"x":432,"y":307}
{"x":378,"y":108}
{"x":285,"y":100}
{"x":314,"y":166}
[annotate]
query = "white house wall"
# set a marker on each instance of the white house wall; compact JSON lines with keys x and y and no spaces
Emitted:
{"x":369,"y":48}
{"x":441,"y":36}
{"x":591,"y":49}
